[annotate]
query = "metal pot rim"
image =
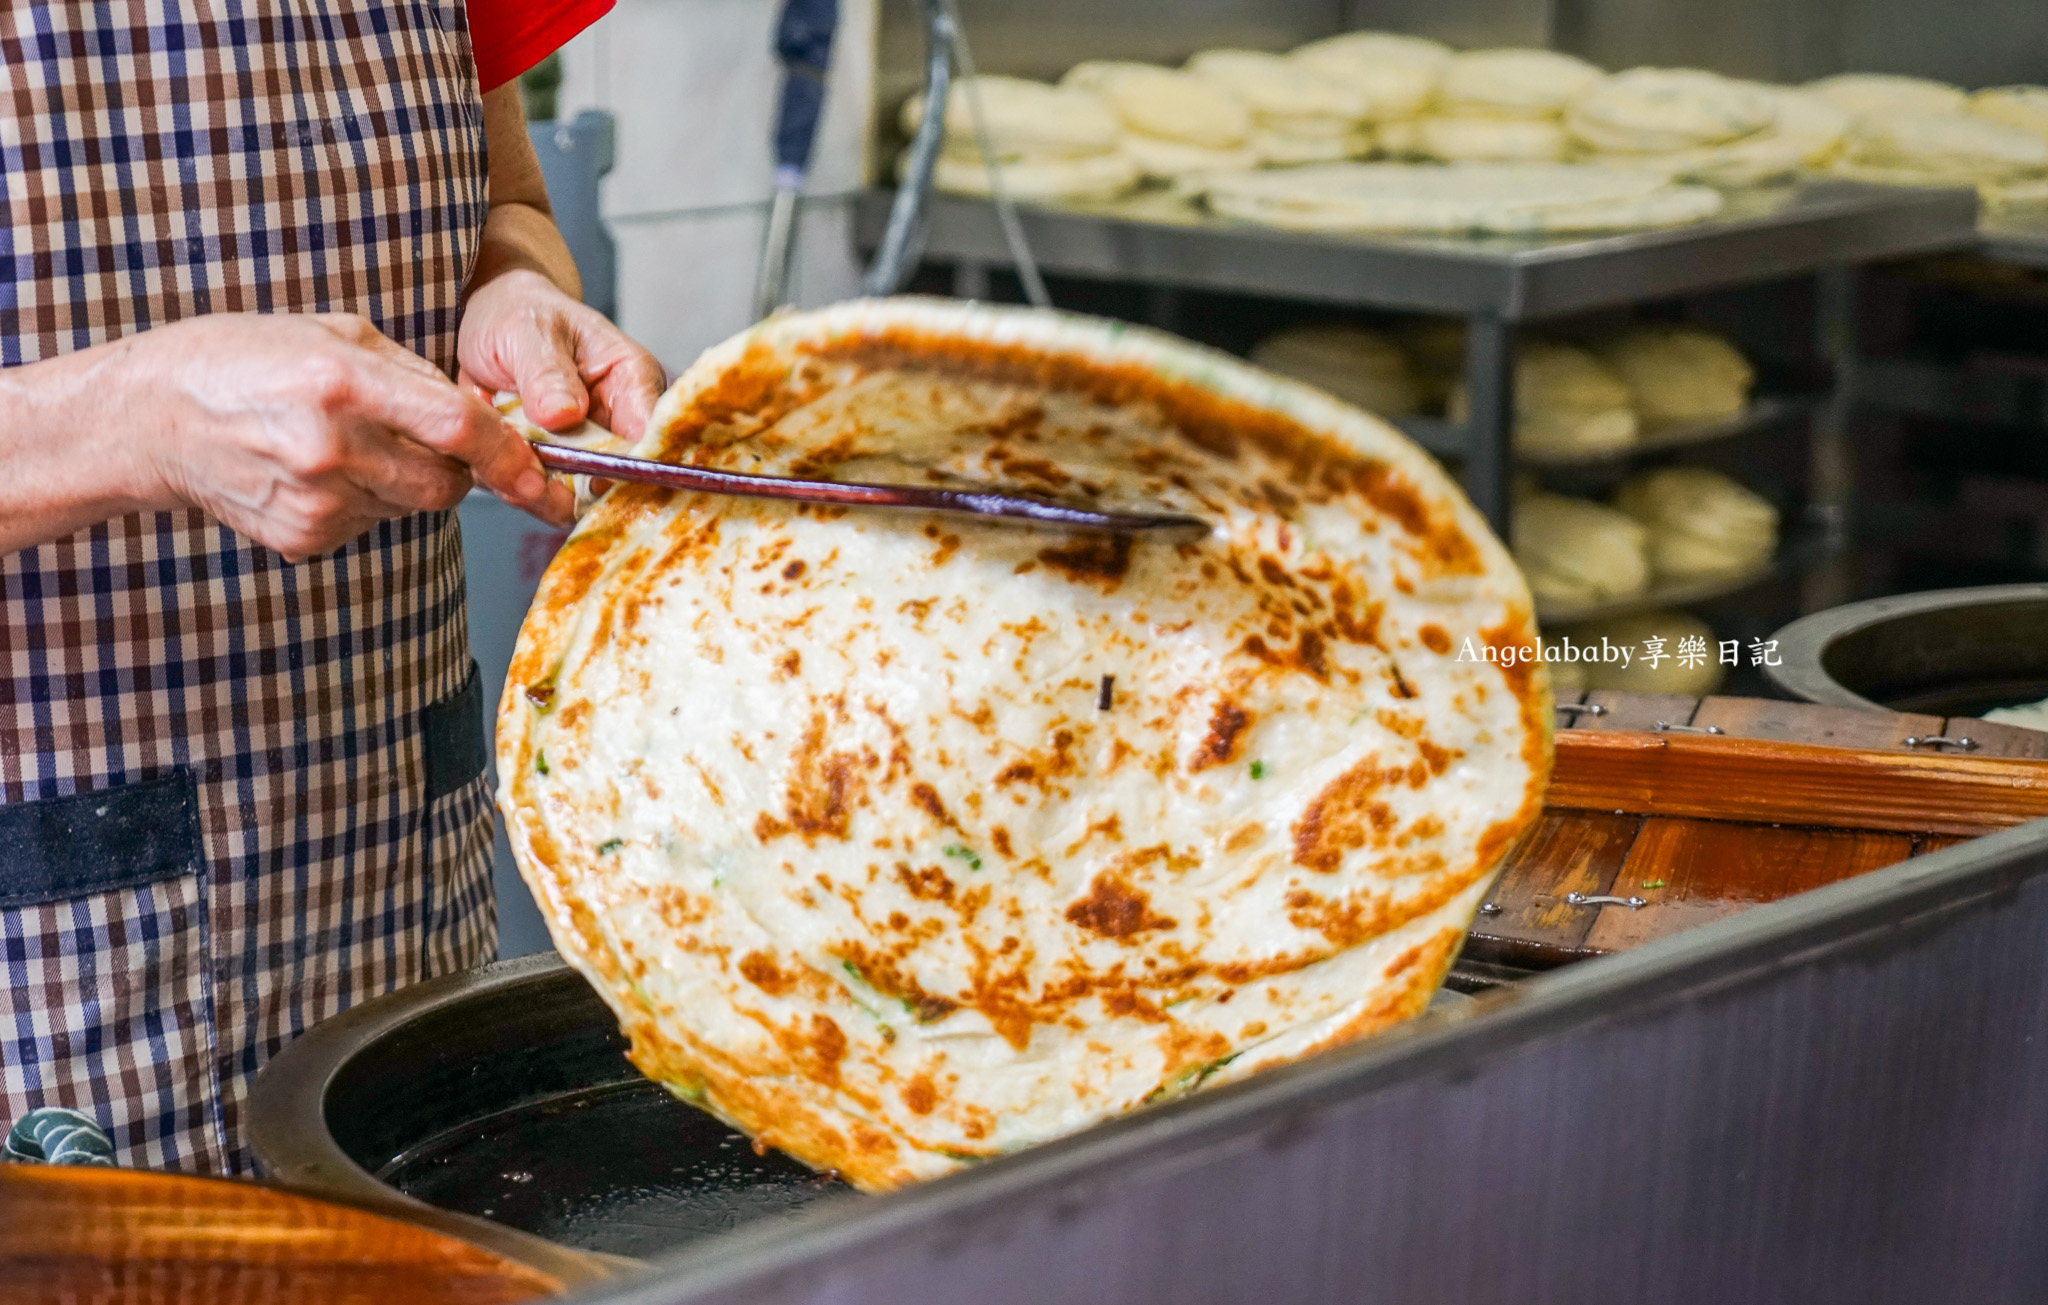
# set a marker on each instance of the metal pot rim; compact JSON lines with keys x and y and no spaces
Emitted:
{"x":1803,"y":643}
{"x":295,"y":1149}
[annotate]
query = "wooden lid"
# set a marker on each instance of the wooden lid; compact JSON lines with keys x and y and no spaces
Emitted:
{"x":123,"y":1235}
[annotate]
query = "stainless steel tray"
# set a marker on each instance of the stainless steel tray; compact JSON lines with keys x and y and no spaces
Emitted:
{"x":1765,"y":233}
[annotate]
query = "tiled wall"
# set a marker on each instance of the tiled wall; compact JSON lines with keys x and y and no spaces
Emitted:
{"x":693,"y":85}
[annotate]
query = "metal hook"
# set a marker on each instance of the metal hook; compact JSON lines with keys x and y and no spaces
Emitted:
{"x":1666,"y":727}
{"x":1489,"y":908}
{"x":1580,"y":899}
{"x":1966,"y":743}
{"x":1589,"y":708}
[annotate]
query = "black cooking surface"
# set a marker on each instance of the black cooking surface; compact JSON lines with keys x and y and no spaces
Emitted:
{"x":623,"y":1168}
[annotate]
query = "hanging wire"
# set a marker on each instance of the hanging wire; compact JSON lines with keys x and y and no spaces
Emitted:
{"x":904,"y":237}
{"x":1006,"y":211}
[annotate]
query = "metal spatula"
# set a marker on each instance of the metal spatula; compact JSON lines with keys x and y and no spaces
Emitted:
{"x":997,"y":502}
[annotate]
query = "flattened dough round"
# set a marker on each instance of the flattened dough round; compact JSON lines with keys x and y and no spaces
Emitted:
{"x":1058,"y":177}
{"x":1024,"y":117}
{"x":2025,"y":107}
{"x":1274,"y":86}
{"x":1576,"y":552}
{"x":1397,"y":74}
{"x":1646,"y":110}
{"x":1701,"y":522}
{"x":1857,"y":94}
{"x":1166,"y":103}
{"x":1678,"y":373}
{"x":1513,"y":83}
{"x":1360,"y":366}
{"x":1526,"y":198}
{"x":826,"y":804}
{"x":1954,"y":144}
{"x":1168,"y":159}
{"x":1282,"y":149}
{"x":1490,"y":140}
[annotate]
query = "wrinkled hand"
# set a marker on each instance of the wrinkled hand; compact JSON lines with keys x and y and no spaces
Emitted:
{"x":565,"y":360}
{"x":304,"y":431}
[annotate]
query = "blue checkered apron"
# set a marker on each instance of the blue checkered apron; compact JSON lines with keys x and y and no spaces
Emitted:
{"x":237,"y":794}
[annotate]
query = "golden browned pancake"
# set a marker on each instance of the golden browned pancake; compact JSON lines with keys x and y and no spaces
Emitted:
{"x":904,"y":841}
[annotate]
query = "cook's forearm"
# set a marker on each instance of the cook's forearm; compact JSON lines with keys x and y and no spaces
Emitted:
{"x":520,"y":232}
{"x":63,"y":462}
{"x":518,"y":237}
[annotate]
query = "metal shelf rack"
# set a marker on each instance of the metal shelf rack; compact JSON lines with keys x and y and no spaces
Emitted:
{"x":1816,"y":227}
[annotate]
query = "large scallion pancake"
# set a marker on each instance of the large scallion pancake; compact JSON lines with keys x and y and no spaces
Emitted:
{"x":901,"y":841}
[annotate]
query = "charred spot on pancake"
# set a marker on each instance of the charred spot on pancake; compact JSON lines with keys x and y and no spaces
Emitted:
{"x":927,"y":797}
{"x":1226,"y":724}
{"x":788,"y":665}
{"x":1347,"y":815}
{"x":1093,"y":559}
{"x":928,"y":884}
{"x":1402,"y":689}
{"x":753,"y":393}
{"x":827,"y":1047}
{"x":1435,"y":639}
{"x":759,"y":969}
{"x":920,"y":1095}
{"x":793,"y":570}
{"x":881,"y":972}
{"x":822,"y":791}
{"x":1114,"y":909}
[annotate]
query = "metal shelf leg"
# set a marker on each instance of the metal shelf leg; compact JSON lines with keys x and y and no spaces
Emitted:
{"x":1489,"y":431}
{"x":1831,"y":456}
{"x":970,"y":280}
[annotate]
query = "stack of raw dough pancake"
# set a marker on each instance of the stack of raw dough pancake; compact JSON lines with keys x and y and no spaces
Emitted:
{"x":1051,"y":142}
{"x":1701,"y":523}
{"x":1571,"y":400}
{"x":1501,"y":106}
{"x":1567,"y":401}
{"x":1578,"y":553}
{"x":903,"y":841}
{"x":1670,"y":526}
{"x":1703,"y":127}
{"x":1678,"y":374}
{"x":1363,"y":367}
{"x":1909,"y":131}
{"x":1299,"y":114}
{"x":1398,"y":76}
{"x":1582,"y":400}
{"x":1175,"y":123}
{"x":1362,"y":95}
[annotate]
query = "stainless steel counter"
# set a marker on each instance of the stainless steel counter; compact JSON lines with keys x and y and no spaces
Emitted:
{"x":1764,"y":234}
{"x":1818,"y":226}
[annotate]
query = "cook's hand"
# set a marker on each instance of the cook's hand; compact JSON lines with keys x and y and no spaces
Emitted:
{"x":521,"y":333}
{"x":302,"y":432}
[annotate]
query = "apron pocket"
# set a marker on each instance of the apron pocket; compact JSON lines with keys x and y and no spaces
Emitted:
{"x":107,"y":1006}
{"x":120,"y":837}
{"x":462,"y":925}
{"x":454,"y":731}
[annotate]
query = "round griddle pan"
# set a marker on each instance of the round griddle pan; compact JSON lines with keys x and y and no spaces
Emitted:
{"x":505,"y":1093}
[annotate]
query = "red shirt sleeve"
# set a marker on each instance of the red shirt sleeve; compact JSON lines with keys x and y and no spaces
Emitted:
{"x":510,"y":36}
